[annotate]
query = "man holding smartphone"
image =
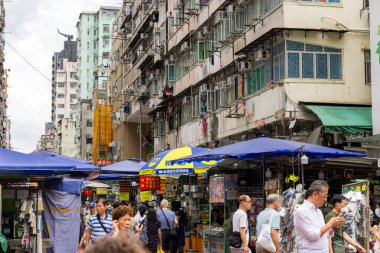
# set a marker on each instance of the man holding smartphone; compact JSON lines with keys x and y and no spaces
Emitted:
{"x":339,"y":205}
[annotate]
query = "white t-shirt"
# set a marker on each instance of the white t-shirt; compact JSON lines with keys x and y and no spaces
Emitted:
{"x":240,"y":220}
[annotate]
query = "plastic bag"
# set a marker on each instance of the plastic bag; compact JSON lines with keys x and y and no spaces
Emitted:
{"x":159,"y":249}
{"x":265,"y":239}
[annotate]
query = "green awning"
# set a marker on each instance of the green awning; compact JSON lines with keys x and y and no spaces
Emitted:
{"x":349,"y":119}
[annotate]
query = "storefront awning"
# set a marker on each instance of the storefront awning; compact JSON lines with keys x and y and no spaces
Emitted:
{"x":349,"y":119}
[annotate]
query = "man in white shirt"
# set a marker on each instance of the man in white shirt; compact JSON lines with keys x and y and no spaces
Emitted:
{"x":312,"y":234}
{"x":240,"y":224}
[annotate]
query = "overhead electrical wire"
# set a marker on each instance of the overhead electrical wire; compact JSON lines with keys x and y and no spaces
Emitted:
{"x":28,"y":62}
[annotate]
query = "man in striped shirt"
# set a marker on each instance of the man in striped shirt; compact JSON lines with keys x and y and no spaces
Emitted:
{"x":101,"y":224}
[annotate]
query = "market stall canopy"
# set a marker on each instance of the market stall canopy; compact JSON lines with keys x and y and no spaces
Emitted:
{"x":110,"y":177}
{"x":161,"y":165}
{"x":80,"y":165}
{"x":348,"y":119}
{"x":264,"y":147}
{"x":50,"y":154}
{"x":16,"y":163}
{"x":94,"y":185}
{"x":130,"y":166}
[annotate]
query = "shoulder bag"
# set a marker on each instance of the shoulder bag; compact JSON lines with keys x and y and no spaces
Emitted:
{"x":101,"y":224}
{"x":173,"y":232}
{"x":264,"y":239}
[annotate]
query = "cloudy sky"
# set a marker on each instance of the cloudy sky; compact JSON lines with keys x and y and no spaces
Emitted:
{"x":31,"y":28}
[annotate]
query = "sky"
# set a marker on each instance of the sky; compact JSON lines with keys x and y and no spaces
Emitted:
{"x":31,"y":29}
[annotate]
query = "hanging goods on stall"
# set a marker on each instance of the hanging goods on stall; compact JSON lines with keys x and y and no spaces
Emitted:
{"x":265,"y":239}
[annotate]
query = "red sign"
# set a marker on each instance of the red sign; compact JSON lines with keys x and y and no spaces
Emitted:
{"x":162,"y":187}
{"x":149,"y":183}
{"x":125,"y":186}
{"x":104,"y":161}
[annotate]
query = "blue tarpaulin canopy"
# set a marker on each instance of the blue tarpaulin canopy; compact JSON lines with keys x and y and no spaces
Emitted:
{"x":16,"y":163}
{"x":48,"y":154}
{"x":264,"y":147}
{"x":130,"y":166}
{"x":80,"y":165}
{"x":110,"y":177}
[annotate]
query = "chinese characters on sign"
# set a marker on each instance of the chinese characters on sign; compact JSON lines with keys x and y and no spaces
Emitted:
{"x":149,"y":183}
{"x":217,"y":193}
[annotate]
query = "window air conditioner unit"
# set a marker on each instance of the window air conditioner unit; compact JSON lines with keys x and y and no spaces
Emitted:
{"x":220,"y":16}
{"x":262,"y":55}
{"x":151,"y":76}
{"x":143,"y":36}
{"x":245,"y":66}
{"x":199,"y":34}
{"x":230,"y":81}
{"x":203,"y":88}
{"x":184,"y":46}
{"x":230,"y":8}
{"x":206,"y":30}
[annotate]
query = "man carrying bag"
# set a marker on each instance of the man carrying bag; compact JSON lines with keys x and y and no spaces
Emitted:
{"x":239,"y":239}
{"x":268,"y":224}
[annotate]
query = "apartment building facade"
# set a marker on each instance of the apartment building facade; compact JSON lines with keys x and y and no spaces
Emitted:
{"x":5,"y":123}
{"x":93,"y":52}
{"x":47,"y":141}
{"x":208,"y":73}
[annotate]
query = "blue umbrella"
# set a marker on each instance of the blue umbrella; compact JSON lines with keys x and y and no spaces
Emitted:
{"x":16,"y":163}
{"x":130,"y":166}
{"x":264,"y":147}
{"x":80,"y":165}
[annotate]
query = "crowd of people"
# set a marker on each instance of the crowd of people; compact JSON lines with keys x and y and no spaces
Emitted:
{"x":120,"y":228}
{"x":125,"y":230}
{"x":314,"y":233}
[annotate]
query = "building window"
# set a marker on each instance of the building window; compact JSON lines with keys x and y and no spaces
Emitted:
{"x":88,"y":45}
{"x":61,"y":106}
{"x":73,"y":74}
{"x":88,"y":123}
{"x":170,"y":73}
{"x":367,"y":65}
{"x":204,"y":49}
{"x":73,"y":106}
{"x":60,"y":116}
{"x":106,"y":28}
{"x":61,"y":85}
{"x":73,"y":85}
{"x":313,"y":61}
{"x":73,"y":96}
{"x":61,"y":95}
{"x":278,"y":64}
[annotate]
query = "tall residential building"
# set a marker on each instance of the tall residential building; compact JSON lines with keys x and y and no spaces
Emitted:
{"x":215,"y":72}
{"x":64,"y":102}
{"x":5,"y":123}
{"x":375,"y":64}
{"x":94,"y":41}
{"x":47,"y":140}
